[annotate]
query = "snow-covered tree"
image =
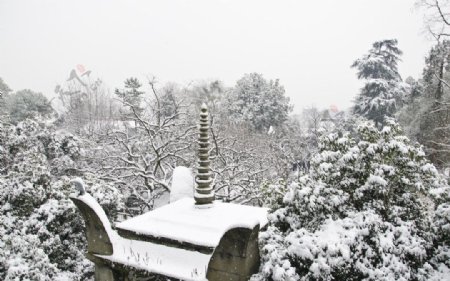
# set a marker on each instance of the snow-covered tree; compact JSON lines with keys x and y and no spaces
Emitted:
{"x":41,"y":229}
{"x":259,"y":102}
{"x":131,"y":95}
{"x":426,"y":116}
{"x":362,"y":213}
{"x":27,"y":104}
{"x":383,"y":87}
{"x":241,"y":161}
{"x":211,"y":92}
{"x":439,"y":265}
{"x":140,"y":156}
{"x":245,"y":162}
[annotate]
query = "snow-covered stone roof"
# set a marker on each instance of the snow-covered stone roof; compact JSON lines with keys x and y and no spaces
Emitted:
{"x":181,"y":221}
{"x":151,"y":257}
{"x":184,"y":222}
{"x":160,"y":259}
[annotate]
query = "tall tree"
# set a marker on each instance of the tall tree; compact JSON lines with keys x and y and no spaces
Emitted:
{"x":437,"y":63}
{"x":427,"y":116}
{"x":259,"y":102}
{"x":383,"y":87}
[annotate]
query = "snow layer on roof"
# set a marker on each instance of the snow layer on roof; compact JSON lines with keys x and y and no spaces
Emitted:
{"x":155,"y":258}
{"x":182,"y":221}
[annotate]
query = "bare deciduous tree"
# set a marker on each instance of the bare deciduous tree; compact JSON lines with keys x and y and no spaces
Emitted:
{"x":437,"y":17}
{"x":146,"y":149}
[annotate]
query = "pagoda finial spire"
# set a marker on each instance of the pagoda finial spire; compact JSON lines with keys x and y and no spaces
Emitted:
{"x":204,"y":193}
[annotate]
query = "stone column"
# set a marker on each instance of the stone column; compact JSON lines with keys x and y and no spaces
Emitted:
{"x":204,"y":193}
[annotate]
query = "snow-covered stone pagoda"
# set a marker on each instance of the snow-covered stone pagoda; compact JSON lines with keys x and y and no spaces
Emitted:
{"x":191,"y":239}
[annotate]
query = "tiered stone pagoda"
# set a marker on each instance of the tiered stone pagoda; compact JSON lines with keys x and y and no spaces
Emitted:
{"x":190,"y":239}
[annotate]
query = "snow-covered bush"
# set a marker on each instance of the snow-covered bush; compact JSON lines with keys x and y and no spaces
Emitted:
{"x":42,"y":231}
{"x":362,"y":213}
{"x":440,"y":259}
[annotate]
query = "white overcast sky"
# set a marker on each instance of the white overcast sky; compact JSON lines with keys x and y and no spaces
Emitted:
{"x":308,"y":45}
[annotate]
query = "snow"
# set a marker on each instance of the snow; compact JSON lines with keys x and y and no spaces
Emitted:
{"x":182,"y":221}
{"x":377,"y":180}
{"x":429,"y":168}
{"x":441,"y":273}
{"x":182,"y":184}
{"x":169,"y":261}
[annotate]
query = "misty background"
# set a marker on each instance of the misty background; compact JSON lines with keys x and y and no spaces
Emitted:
{"x":308,"y":45}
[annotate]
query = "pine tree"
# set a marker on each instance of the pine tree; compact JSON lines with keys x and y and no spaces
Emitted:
{"x":383,"y":87}
{"x":131,"y":96}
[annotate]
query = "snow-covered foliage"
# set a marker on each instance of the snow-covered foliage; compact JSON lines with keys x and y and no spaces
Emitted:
{"x":315,"y":123}
{"x":42,"y":232}
{"x":28,"y":104}
{"x":441,"y":229}
{"x":363,"y":212}
{"x":383,"y":88}
{"x":140,"y":159}
{"x":259,"y":102}
{"x":244,"y":162}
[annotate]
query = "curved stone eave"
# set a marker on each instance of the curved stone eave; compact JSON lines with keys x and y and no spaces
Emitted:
{"x":237,"y":256}
{"x":98,"y":238}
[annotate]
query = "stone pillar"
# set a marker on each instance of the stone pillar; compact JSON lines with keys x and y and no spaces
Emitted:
{"x":204,"y":193}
